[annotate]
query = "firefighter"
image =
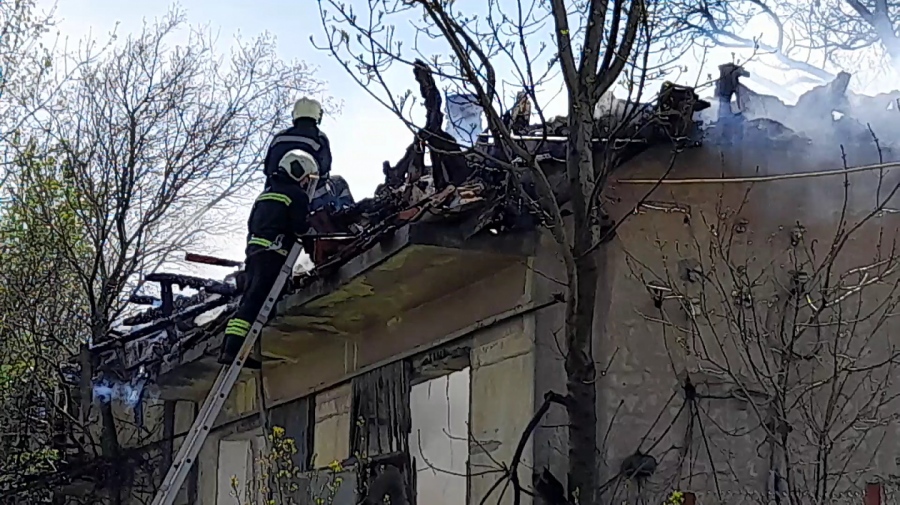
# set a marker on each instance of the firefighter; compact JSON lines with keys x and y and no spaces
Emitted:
{"x":331,"y":193}
{"x":278,"y":218}
{"x":304,"y":135}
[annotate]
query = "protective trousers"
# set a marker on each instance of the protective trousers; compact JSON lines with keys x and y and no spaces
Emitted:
{"x":262,"y":268}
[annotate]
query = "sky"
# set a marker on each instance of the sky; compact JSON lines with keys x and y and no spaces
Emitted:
{"x":374,"y":136}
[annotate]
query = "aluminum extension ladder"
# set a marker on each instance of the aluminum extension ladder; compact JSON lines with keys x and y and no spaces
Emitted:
{"x":214,"y":402}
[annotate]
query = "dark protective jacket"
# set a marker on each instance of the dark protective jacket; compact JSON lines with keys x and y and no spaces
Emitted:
{"x":281,"y":210}
{"x":332,"y":194}
{"x":304,"y":135}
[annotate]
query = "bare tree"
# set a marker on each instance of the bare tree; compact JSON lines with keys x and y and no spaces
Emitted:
{"x":129,"y":163}
{"x":582,"y":49}
{"x":790,"y":325}
{"x":31,"y":70}
{"x":23,"y":68}
{"x":41,"y":311}
{"x":809,"y":36}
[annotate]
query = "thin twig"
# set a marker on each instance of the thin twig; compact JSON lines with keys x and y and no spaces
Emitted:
{"x":763,"y":178}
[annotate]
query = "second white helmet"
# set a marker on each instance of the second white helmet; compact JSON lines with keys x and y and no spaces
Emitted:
{"x":307,"y":108}
{"x":298,"y":164}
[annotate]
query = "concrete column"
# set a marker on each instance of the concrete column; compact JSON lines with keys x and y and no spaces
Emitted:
{"x":502,"y":404}
{"x":208,"y":461}
{"x":332,"y":435}
{"x":546,"y":276}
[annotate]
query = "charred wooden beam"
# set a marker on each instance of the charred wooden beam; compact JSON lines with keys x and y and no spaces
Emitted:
{"x":448,"y":164}
{"x":182,"y":281}
{"x":211,"y":260}
{"x":143,"y":300}
{"x":160,"y":325}
{"x":179,"y":303}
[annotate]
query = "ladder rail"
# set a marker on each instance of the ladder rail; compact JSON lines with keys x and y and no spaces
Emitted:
{"x":215,"y":400}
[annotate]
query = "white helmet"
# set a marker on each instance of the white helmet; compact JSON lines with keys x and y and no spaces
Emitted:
{"x":298,"y":164}
{"x":307,"y":107}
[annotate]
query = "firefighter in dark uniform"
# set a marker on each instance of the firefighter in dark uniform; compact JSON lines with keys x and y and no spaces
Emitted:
{"x":278,"y":218}
{"x":304,"y":135}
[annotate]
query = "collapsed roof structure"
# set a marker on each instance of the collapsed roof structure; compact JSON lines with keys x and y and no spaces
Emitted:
{"x":472,"y":190}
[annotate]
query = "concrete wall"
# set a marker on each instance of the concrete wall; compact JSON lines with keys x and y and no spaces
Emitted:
{"x":732,"y":351}
{"x":439,"y":441}
{"x":213,"y":479}
{"x":131,"y":435}
{"x":502,"y":369}
{"x":743,"y":352}
{"x":331,"y":362}
{"x":740,"y":234}
{"x":331,"y":440}
{"x":501,"y":395}
{"x":546,"y":276}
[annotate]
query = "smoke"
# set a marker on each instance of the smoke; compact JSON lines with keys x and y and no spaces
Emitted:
{"x":107,"y":391}
{"x":828,"y":126}
{"x":129,"y":393}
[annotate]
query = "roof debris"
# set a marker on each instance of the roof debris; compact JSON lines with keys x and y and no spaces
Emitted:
{"x":854,"y":117}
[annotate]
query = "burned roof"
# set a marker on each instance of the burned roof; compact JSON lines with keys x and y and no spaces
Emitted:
{"x":829,"y":112}
{"x":155,"y":339}
{"x":457,"y":187}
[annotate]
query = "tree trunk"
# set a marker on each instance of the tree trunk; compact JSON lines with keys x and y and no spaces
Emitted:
{"x":580,"y":368}
{"x":109,"y":441}
{"x":109,"y":433}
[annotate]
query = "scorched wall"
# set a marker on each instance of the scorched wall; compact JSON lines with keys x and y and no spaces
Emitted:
{"x":745,"y":333}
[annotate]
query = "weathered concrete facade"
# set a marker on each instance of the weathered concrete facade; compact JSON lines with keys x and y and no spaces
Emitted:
{"x":478,"y":315}
{"x":745,"y":329}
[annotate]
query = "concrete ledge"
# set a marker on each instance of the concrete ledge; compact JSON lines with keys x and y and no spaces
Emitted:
{"x":520,"y":244}
{"x":411,"y":266}
{"x":389,"y":246}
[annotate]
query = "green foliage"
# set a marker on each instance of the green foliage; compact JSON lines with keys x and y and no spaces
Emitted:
{"x":676,"y":498}
{"x":41,"y":316}
{"x":40,"y":233}
{"x":278,"y":478}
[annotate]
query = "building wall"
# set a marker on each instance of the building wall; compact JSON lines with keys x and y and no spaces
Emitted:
{"x":147,"y":430}
{"x":502,"y":371}
{"x":331,"y":438}
{"x":501,"y":396}
{"x":737,"y":351}
{"x":718,"y":445}
{"x":334,"y":361}
{"x":439,"y":441}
